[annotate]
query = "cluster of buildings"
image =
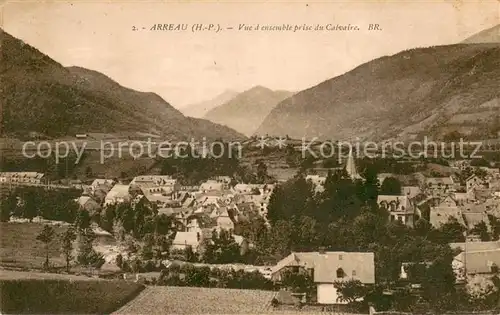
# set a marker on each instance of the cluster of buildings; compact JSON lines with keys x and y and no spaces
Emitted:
{"x":26,"y":178}
{"x":197,"y":212}
{"x":438,"y":199}
{"x":217,"y":205}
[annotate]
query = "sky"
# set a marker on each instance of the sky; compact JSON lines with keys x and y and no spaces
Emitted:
{"x":186,"y":67}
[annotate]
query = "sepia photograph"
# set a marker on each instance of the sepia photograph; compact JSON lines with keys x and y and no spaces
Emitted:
{"x":250,"y":157}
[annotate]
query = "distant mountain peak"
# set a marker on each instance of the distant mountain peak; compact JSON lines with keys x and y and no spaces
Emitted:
{"x":246,"y":111}
{"x":198,"y":110}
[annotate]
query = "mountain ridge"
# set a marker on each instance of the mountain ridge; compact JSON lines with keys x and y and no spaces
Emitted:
{"x":42,"y":96}
{"x":414,"y":92}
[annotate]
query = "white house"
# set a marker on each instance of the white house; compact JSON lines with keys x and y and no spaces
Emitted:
{"x":21,"y":177}
{"x":481,"y":263}
{"x":399,"y":207}
{"x":212,"y":185}
{"x":183,"y":240}
{"x":118,"y":194}
{"x":88,"y":204}
{"x":328,"y":268}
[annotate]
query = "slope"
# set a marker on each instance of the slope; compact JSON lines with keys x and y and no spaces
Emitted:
{"x":426,"y":91}
{"x":40,"y":95}
{"x":491,"y":35}
{"x":198,"y":110}
{"x":247,"y":110}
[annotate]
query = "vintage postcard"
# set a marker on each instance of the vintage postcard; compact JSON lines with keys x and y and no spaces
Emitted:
{"x":250,"y":157}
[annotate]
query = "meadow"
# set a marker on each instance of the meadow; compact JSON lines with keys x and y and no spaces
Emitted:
{"x":191,"y":300}
{"x":20,"y":249}
{"x":65,"y":296}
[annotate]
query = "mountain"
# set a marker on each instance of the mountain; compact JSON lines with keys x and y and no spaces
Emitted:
{"x":247,"y":110}
{"x":199,"y":110}
{"x":426,"y":91}
{"x":491,"y":35}
{"x":40,"y":95}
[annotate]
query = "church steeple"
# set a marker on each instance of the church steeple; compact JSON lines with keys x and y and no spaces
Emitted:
{"x":350,"y":167}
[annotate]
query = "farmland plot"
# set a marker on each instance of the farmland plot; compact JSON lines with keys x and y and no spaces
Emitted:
{"x":190,"y":300}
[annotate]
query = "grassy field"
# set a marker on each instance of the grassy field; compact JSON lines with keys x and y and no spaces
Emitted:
{"x":189,"y":300}
{"x":19,"y":247}
{"x":63,"y":296}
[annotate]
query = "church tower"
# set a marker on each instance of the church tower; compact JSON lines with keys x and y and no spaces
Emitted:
{"x":350,"y":167}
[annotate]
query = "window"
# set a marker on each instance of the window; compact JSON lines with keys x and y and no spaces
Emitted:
{"x":354,"y":273}
{"x":340,"y":273}
{"x":340,"y":257}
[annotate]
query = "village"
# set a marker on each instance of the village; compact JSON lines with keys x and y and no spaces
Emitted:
{"x":202,"y":215}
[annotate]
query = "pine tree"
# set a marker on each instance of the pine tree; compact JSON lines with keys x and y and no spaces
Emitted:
{"x":46,"y":236}
{"x":67,"y":239}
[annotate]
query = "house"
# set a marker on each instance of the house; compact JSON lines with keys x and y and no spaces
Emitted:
{"x":21,"y":177}
{"x":102,"y":181}
{"x":88,"y":204}
{"x":225,"y":180}
{"x":447,"y":208}
{"x":243,"y":188}
{"x":464,"y":197}
{"x":118,"y":194}
{"x":211,"y":185}
{"x":471,"y":219}
{"x":475,"y":264}
{"x":438,"y":218}
{"x":328,"y":268}
{"x":224,"y":221}
{"x":183,"y":240}
{"x":475,"y":246}
{"x":317,"y":181}
{"x":439,"y":185}
{"x":399,"y":208}
{"x":150,"y":181}
{"x":473,"y":182}
{"x":411,"y":191}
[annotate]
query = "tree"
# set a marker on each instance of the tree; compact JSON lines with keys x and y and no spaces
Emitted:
{"x":119,"y":261}
{"x":221,"y":249}
{"x":30,"y":204}
{"x":495,"y":227}
{"x":350,"y":291}
{"x":299,"y":282}
{"x":482,"y":292}
{"x":261,"y":172}
{"x":481,"y":230}
{"x":87,"y":256}
{"x":391,"y":186}
{"x":88,"y":171}
{"x":82,"y":221}
{"x":451,"y":231}
{"x":67,"y":239}
{"x":8,"y":205}
{"x":46,"y":236}
{"x":439,"y":283}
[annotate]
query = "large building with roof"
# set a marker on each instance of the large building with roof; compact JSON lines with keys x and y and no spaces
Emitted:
{"x":327,"y":268}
